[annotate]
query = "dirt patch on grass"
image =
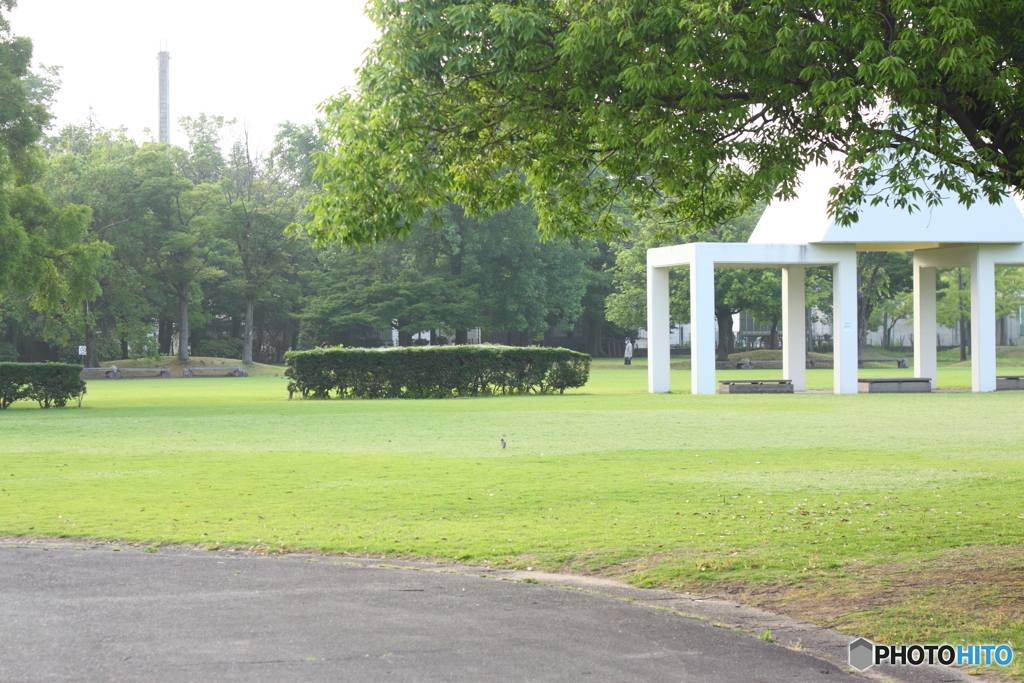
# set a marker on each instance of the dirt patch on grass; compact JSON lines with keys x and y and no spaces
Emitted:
{"x":986,"y":582}
{"x":962,"y":595}
{"x":972,"y":595}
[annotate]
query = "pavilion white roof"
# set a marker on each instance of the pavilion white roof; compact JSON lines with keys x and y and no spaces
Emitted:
{"x":805,"y":220}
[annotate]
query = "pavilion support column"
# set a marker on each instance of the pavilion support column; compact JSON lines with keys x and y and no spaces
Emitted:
{"x":702,"y":324}
{"x":658,"y":360}
{"x":925,"y":357}
{"x":983,"y":321}
{"x":844,"y":322}
{"x":794,"y":331}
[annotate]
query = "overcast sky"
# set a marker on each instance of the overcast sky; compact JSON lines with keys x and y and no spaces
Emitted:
{"x":260,"y":62}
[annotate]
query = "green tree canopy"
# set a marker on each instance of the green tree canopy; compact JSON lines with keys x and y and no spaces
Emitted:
{"x":43,"y":255}
{"x":493,"y":274}
{"x":719,"y":105}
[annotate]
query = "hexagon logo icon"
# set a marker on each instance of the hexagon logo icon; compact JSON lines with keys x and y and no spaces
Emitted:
{"x":862,"y":654}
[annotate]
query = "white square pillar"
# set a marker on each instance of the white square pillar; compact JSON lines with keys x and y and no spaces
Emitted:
{"x":794,"y":328}
{"x":983,"y":321}
{"x":844,"y":322}
{"x":658,"y":360}
{"x":925,"y":357}
{"x":702,"y":324}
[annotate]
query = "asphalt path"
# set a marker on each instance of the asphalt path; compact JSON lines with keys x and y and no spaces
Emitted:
{"x":101,"y":613}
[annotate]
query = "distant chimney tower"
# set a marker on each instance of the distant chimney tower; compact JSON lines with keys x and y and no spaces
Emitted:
{"x":165,"y":96}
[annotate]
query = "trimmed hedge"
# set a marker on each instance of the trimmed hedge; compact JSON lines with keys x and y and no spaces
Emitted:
{"x":50,"y":384}
{"x":434,"y":372}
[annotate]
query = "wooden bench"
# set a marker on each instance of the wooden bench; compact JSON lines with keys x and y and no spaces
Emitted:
{"x":894,"y":385}
{"x":215,"y":372}
{"x":756,"y":386}
{"x":900,"y":362}
{"x":1009,"y":382}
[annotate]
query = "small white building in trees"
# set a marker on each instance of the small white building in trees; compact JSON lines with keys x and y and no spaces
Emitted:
{"x":796,"y":234}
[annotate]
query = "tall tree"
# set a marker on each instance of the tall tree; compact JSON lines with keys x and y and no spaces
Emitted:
{"x":953,"y":308}
{"x":175,"y":216}
{"x":43,"y":255}
{"x":719,"y":105}
{"x":881,"y":276}
{"x":257,"y":206}
{"x":87,"y":164}
{"x":203,"y":160}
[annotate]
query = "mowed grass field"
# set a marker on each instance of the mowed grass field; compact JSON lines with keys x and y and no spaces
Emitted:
{"x":896,"y":517}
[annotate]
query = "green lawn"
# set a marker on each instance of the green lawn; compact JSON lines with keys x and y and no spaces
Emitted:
{"x":897,"y":517}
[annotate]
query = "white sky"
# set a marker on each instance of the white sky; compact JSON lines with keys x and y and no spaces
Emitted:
{"x":260,"y":62}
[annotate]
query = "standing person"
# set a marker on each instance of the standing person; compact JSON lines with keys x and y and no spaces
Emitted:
{"x":629,"y":352}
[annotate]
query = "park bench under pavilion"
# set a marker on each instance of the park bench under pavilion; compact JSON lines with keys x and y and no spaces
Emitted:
{"x":796,"y":234}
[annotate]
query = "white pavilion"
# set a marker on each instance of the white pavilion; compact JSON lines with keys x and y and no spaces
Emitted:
{"x":795,"y":234}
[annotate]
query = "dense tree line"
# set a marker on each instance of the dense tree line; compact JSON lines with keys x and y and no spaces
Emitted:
{"x":428,"y":197}
{"x":193,"y":243}
{"x":152,"y":242}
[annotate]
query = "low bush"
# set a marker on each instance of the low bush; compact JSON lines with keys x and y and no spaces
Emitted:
{"x":219,"y":348}
{"x":434,"y":372}
{"x":50,"y":384}
{"x":7,"y":352}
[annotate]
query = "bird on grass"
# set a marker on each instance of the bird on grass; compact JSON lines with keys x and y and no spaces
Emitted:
{"x":503,"y":444}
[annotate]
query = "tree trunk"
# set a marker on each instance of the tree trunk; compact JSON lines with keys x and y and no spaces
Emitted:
{"x":724,"y":318}
{"x":247,"y":339}
{"x":594,"y":337}
{"x":260,"y":334}
{"x":461,"y":336}
{"x":124,"y":349}
{"x":164,"y":334}
{"x":808,"y":331}
{"x":183,"y":322}
{"x":91,"y":359}
{"x":773,"y":335}
{"x":404,"y":338}
{"x":963,"y":320}
{"x":865,"y":301}
{"x":962,"y":330}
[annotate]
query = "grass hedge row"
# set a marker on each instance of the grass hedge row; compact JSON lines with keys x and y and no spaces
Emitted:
{"x":51,"y":384}
{"x":434,"y":372}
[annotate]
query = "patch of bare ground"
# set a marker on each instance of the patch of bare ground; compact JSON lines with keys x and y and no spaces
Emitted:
{"x":972,"y":595}
{"x":980,"y":588}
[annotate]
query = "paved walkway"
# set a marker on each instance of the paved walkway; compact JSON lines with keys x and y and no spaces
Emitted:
{"x":106,"y":613}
